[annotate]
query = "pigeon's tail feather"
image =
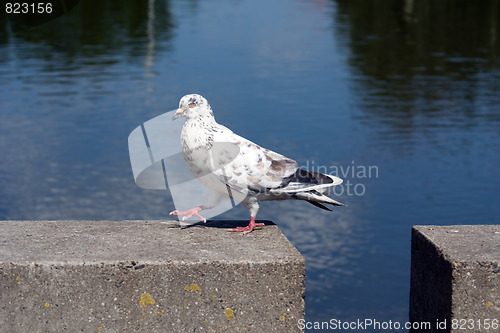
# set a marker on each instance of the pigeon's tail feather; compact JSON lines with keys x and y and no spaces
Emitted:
{"x":303,"y":180}
{"x":316,"y":198}
{"x":317,"y":204}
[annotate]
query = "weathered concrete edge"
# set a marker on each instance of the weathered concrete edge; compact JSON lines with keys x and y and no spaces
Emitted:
{"x":430,"y":274}
{"x":462,"y":263}
{"x":249,"y":304}
{"x":148,"y":240}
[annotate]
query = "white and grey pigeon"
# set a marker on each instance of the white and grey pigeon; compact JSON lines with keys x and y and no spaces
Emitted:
{"x":245,"y":169}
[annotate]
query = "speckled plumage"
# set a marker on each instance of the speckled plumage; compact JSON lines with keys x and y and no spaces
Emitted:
{"x":229,"y":161}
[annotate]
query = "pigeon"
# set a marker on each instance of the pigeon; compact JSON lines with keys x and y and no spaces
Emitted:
{"x":242,"y":168}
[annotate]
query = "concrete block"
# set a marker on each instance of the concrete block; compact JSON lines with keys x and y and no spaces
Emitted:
{"x":151,"y":276}
{"x":455,"y":278}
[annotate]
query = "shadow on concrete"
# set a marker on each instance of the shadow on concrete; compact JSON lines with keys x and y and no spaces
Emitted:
{"x":226,"y":224}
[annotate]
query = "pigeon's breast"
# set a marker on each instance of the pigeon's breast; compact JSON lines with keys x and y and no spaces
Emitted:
{"x":196,"y":143}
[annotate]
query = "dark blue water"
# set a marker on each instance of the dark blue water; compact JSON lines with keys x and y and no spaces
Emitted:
{"x":399,"y":98}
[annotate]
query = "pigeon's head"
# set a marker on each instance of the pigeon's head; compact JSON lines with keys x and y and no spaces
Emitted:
{"x":193,"y":106}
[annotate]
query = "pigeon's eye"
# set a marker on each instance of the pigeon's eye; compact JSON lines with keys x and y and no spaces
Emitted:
{"x":191,"y":105}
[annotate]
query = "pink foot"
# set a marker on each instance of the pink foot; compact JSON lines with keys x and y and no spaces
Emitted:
{"x":248,"y":229}
{"x":188,"y":213}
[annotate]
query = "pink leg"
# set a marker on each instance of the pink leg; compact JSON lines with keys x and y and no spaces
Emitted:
{"x":188,"y":213}
{"x":248,"y":229}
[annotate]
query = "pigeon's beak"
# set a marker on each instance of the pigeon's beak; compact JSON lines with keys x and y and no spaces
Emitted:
{"x":179,"y":113}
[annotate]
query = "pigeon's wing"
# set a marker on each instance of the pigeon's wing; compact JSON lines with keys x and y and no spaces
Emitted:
{"x":248,"y":169}
{"x":253,"y":169}
{"x":303,"y":180}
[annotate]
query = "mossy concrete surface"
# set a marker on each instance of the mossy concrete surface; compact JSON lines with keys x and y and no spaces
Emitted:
{"x":455,"y":278}
{"x":151,"y":276}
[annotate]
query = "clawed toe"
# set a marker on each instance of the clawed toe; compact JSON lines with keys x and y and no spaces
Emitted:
{"x":188,"y":213}
{"x":245,"y":230}
{"x":249,"y":228}
{"x":241,"y":229}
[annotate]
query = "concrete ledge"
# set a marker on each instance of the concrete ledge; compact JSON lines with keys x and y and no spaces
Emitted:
{"x":125,"y":276}
{"x":455,"y":278}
